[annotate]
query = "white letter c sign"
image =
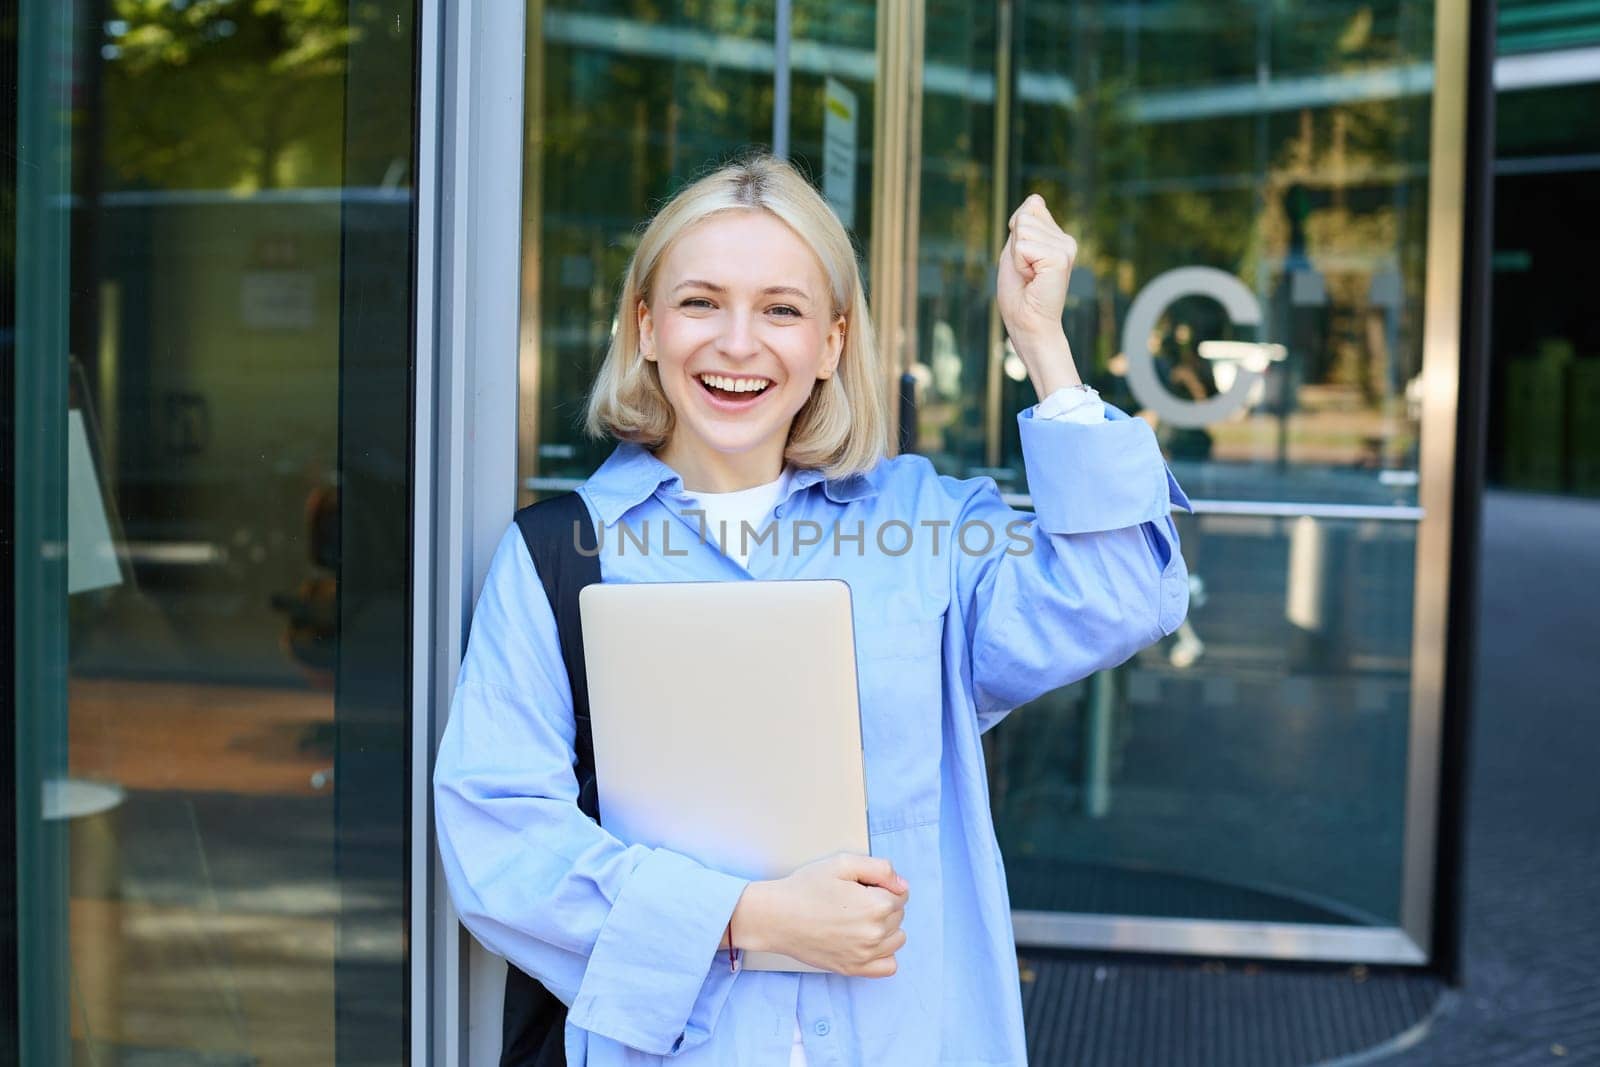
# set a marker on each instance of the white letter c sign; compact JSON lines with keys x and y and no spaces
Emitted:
{"x":1153,"y":300}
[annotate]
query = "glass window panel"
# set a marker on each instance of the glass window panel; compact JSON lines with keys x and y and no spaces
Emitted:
{"x":832,"y":41}
{"x":1285,"y":150}
{"x":635,"y":104}
{"x":1544,"y":396}
{"x":955,"y":224}
{"x":637,"y":101}
{"x":214,"y":384}
{"x":1525,"y":26}
{"x":1251,"y":767}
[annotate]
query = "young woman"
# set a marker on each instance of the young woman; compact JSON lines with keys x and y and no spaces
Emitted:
{"x":744,"y":388}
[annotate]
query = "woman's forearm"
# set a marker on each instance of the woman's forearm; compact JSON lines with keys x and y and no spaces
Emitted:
{"x":1049,"y":361}
{"x":751,"y":923}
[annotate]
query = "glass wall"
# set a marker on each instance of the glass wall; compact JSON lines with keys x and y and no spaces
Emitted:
{"x":213,"y":227}
{"x":1249,"y":185}
{"x":1544,"y":415}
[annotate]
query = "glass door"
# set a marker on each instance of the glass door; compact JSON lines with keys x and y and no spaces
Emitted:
{"x":209,"y":419}
{"x":1249,"y":186}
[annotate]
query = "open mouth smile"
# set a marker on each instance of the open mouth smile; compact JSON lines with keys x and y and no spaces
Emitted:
{"x":734,"y":392}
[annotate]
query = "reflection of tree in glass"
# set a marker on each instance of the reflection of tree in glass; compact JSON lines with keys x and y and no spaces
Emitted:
{"x":1135,"y":129}
{"x":616,"y":132}
{"x":225,"y":94}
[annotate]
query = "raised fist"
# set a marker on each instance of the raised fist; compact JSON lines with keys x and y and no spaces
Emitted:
{"x":1031,"y":282}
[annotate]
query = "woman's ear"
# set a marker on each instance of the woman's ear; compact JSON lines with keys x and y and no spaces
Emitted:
{"x":834,"y":343}
{"x":647,"y":341}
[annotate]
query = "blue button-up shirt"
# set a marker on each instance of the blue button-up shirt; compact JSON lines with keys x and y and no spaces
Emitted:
{"x":964,"y":609}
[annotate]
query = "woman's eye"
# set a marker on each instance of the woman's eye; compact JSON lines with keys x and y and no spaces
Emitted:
{"x":785,"y":309}
{"x":696,"y":302}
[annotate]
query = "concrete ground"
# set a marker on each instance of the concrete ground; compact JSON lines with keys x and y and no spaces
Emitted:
{"x":1532,"y":962}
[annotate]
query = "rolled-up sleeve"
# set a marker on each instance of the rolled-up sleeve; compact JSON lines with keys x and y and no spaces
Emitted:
{"x":625,"y":935}
{"x":1090,"y":577}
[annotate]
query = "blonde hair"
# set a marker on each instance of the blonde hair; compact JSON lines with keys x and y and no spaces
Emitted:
{"x":843,"y":426}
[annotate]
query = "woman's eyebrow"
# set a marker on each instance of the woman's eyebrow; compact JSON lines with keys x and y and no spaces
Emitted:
{"x":784,"y":290}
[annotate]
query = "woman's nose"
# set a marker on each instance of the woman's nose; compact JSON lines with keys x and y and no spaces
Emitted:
{"x":738,"y":336}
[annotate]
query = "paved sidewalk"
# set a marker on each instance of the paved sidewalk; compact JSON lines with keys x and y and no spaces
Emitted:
{"x":1532,"y":963}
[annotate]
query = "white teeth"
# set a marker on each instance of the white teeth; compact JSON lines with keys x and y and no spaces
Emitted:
{"x":735,"y":385}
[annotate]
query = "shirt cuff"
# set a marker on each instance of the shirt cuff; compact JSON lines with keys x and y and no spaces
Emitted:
{"x":650,"y":983}
{"x":1090,"y":478}
{"x":1072,"y":403}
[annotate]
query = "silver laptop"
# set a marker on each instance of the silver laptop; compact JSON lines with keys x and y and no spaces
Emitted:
{"x":727,"y":723}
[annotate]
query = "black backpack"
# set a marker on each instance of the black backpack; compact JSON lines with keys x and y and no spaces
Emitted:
{"x":534,"y":1023}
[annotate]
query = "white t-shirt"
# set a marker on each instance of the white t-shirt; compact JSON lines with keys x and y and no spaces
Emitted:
{"x":725,"y":512}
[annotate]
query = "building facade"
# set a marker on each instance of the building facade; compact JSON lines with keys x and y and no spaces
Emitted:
{"x":301,"y":300}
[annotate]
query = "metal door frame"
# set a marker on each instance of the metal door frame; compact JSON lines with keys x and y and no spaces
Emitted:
{"x":1449,"y":490}
{"x":469,"y":182}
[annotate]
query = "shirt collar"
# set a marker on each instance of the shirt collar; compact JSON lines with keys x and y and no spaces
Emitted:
{"x":839,"y":490}
{"x":632,"y":474}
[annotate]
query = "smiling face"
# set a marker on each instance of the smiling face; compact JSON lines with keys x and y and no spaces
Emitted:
{"x":741,"y":326}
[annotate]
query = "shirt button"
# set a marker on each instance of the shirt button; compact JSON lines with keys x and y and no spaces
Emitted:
{"x":822,"y":1028}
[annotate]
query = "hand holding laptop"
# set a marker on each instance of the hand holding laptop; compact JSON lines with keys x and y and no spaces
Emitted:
{"x":841,"y":914}
{"x":727,"y":727}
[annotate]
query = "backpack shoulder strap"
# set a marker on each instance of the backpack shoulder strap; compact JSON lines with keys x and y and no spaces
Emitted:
{"x":560,"y":537}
